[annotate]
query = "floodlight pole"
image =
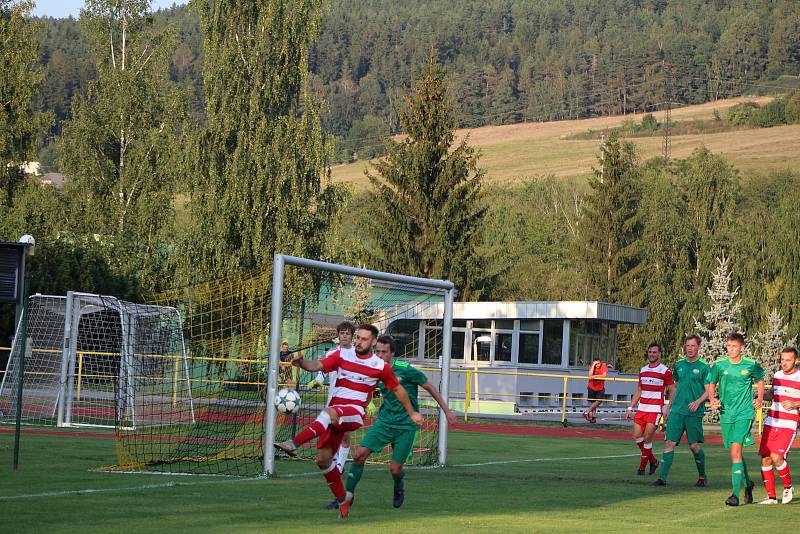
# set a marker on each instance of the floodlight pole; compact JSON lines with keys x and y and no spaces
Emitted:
{"x":23,"y":329}
{"x":274,"y":359}
{"x":444,"y":386}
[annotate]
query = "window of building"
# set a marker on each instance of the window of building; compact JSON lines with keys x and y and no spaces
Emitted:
{"x":502,"y":351}
{"x":528,"y":348}
{"x":551,"y":347}
{"x":406,"y":334}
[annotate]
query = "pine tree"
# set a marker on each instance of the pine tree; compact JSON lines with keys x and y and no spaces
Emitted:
{"x":767,"y":345}
{"x":723,"y":317}
{"x":430,"y":212}
{"x":122,"y":149}
{"x":261,"y":157}
{"x":609,"y":223}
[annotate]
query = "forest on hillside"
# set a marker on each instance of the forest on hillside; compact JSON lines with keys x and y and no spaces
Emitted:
{"x":507,"y":60}
{"x":208,"y":149}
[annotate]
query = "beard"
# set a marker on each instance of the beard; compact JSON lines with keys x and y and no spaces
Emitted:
{"x":361,"y":352}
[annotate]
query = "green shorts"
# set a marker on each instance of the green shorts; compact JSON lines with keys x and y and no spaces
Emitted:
{"x":678,"y":423}
{"x":737,"y":432}
{"x":401,"y":439}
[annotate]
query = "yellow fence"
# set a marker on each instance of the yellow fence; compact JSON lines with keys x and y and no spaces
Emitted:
{"x":470,"y":396}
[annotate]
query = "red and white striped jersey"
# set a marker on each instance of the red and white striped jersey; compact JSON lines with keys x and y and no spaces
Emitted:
{"x":332,"y":374}
{"x":653,"y":381}
{"x":357,"y":377}
{"x":785,"y":386}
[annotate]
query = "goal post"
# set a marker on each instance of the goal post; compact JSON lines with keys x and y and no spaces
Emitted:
{"x":280,"y":262}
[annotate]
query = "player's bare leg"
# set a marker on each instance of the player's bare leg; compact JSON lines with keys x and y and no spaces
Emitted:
{"x":591,"y":412}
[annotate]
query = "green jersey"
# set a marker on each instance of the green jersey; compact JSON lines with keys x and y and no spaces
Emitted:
{"x":735,"y":386}
{"x":691,"y":380}
{"x":392,"y":412}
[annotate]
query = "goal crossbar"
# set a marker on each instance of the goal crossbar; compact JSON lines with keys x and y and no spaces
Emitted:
{"x":280,"y":261}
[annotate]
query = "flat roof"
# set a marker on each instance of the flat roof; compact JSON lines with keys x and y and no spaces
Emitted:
{"x":563,"y":309}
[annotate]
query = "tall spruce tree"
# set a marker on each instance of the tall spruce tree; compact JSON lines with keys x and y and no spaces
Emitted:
{"x":768,"y":343}
{"x":609,"y":224}
{"x":430,"y":205}
{"x":121,"y":149}
{"x":722,"y":318}
{"x":261,"y":159}
{"x":20,"y":124}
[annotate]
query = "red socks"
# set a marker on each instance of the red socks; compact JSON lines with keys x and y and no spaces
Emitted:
{"x":783,"y":472}
{"x":769,"y":481}
{"x":334,"y":479}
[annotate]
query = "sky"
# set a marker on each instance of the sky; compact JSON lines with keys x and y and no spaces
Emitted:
{"x":65,"y":8}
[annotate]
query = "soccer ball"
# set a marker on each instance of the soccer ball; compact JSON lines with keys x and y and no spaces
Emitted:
{"x":287,"y":401}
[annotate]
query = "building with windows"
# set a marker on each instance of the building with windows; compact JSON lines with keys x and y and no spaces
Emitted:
{"x":523,"y":350}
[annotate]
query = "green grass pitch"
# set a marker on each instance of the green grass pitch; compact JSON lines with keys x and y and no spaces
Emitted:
{"x":494,"y":483}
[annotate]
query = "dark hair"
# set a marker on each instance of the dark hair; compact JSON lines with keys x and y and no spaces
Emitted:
{"x":693,"y":336}
{"x":346,"y":325}
{"x":371,"y":327}
{"x":388,"y":340}
{"x":789,"y":349}
{"x":736,"y":336}
{"x":654,"y":344}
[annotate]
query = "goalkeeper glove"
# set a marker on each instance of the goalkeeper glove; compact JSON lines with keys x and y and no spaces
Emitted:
{"x":314,"y":384}
{"x":371,"y":409}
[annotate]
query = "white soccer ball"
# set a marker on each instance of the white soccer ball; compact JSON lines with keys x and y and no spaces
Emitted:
{"x":287,"y":401}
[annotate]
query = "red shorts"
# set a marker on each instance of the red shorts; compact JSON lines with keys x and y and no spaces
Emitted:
{"x":350,"y":419}
{"x":643,"y":418}
{"x":776,"y":440}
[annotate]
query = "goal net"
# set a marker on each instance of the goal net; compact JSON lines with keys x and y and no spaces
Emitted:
{"x":87,"y":358}
{"x":234,"y":368}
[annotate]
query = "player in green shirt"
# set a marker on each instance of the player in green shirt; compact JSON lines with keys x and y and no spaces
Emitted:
{"x":393,"y":426}
{"x":735,"y":377}
{"x":687,"y":395}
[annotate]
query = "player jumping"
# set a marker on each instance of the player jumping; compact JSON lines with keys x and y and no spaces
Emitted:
{"x":654,"y":379}
{"x":780,"y":427}
{"x":736,"y":376}
{"x":686,"y":398}
{"x":393,"y":425}
{"x":357,"y":377}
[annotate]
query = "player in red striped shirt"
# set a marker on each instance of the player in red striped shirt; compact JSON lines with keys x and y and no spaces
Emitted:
{"x":780,"y":427}
{"x":358,"y":375}
{"x":654,"y":379}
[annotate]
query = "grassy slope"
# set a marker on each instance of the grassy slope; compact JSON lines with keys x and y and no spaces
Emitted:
{"x":555,"y":495}
{"x":532,"y":149}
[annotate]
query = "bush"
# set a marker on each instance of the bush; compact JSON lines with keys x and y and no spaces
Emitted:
{"x":772,"y":114}
{"x":649,"y":123}
{"x":740,"y":114}
{"x":792,"y":110}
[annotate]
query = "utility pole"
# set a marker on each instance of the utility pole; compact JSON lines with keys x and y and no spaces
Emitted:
{"x":667,"y":145}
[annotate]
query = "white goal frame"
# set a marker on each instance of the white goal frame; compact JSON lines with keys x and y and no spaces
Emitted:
{"x":58,"y":396}
{"x":280,"y":261}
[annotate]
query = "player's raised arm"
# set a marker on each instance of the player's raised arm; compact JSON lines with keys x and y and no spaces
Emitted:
{"x":400,"y":392}
{"x":427,"y":386}
{"x":309,"y":365}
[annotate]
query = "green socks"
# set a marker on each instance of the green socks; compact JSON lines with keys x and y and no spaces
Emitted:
{"x":353,"y":476}
{"x":398,"y":480}
{"x":700,"y":462}
{"x":737,"y":472}
{"x":745,"y":474}
{"x":666,"y":463}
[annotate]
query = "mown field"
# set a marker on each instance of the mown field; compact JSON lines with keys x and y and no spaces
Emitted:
{"x":513,"y":152}
{"x":494,"y":483}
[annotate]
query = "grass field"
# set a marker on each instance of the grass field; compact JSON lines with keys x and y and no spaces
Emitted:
{"x":513,"y":152}
{"x":497,"y":483}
